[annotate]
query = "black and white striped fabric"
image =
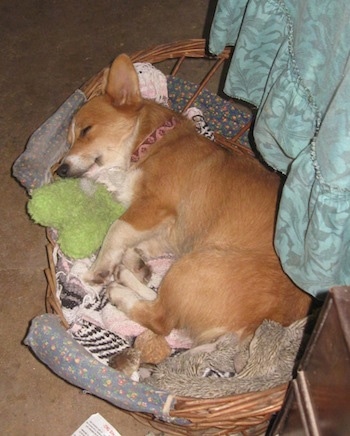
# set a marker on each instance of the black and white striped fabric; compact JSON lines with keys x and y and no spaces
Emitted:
{"x":216,"y":373}
{"x":101,"y":343}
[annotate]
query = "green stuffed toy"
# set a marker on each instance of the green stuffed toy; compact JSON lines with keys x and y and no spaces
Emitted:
{"x":79,"y":209}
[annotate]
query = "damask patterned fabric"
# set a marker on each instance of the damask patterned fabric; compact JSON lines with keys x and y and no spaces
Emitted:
{"x":291,"y":60}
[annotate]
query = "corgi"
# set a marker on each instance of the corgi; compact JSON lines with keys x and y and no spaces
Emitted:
{"x":213,"y":209}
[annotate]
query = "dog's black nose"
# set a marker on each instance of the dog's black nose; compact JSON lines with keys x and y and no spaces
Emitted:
{"x":62,"y":170}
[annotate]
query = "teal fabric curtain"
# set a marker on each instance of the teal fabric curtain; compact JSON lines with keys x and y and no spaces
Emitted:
{"x":291,"y":60}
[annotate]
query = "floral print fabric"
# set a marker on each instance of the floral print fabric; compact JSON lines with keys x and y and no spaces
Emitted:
{"x":69,"y":360}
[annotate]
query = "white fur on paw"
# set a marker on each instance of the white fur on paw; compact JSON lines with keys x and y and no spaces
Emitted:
{"x":128,"y":279}
{"x":97,"y":278}
{"x":121,"y":297}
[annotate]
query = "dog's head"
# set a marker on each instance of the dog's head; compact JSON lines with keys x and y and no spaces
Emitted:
{"x":103,"y":130}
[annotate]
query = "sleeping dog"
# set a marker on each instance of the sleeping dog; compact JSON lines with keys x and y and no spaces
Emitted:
{"x":213,"y":209}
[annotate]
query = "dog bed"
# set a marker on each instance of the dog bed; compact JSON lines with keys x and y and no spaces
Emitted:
{"x":70,"y":354}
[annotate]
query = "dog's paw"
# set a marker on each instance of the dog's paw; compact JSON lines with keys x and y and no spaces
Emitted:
{"x":143,"y":272}
{"x":97,"y":277}
{"x":125,"y":277}
{"x":133,"y":261}
{"x":121,"y":297}
{"x":129,"y":280}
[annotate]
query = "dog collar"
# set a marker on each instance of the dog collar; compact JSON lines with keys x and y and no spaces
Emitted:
{"x":157,"y":134}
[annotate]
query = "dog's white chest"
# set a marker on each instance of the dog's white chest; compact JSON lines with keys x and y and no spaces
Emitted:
{"x":120,"y":182}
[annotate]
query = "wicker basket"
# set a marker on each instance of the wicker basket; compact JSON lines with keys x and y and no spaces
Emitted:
{"x":248,"y":413}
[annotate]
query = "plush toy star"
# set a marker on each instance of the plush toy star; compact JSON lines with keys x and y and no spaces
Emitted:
{"x":79,"y":209}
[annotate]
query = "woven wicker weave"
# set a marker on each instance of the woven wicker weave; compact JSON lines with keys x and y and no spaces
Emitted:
{"x":246,"y":413}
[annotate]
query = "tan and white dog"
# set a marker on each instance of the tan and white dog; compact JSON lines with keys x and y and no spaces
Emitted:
{"x":213,"y":209}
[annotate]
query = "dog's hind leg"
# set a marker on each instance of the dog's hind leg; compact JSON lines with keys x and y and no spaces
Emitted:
{"x":128,"y":291}
{"x":140,"y":305}
{"x":202,"y":293}
{"x":180,"y":296}
{"x":122,"y":297}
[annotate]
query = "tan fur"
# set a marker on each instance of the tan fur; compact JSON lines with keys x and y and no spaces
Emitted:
{"x":215,"y":210}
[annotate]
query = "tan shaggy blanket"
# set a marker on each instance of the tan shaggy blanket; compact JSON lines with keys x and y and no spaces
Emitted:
{"x":264,"y":360}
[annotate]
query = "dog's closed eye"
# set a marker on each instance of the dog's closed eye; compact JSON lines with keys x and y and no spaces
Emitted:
{"x":84,"y":131}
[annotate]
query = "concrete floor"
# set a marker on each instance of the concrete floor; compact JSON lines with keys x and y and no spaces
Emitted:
{"x":48,"y":49}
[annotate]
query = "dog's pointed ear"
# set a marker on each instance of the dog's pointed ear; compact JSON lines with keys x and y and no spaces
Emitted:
{"x":123,"y":83}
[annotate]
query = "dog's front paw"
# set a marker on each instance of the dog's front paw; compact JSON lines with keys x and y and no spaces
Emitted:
{"x":98,"y":277}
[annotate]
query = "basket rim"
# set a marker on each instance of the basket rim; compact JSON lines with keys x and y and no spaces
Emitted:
{"x":229,"y":413}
